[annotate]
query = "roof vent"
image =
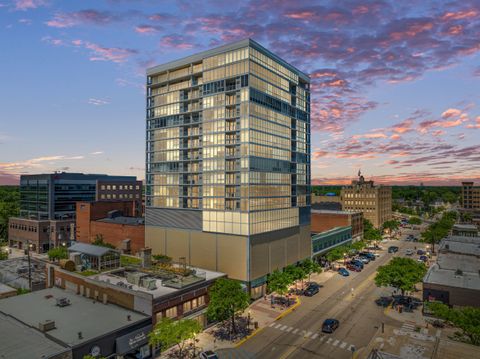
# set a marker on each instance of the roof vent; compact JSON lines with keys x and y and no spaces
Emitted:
{"x":80,"y":335}
{"x":458,"y":272}
{"x":63,"y":302}
{"x":46,"y":325}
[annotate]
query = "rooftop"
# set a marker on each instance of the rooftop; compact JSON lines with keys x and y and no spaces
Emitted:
{"x":155,"y":283}
{"x":6,"y":289}
{"x":92,"y":319}
{"x":90,"y":249}
{"x":20,"y":341}
{"x":327,"y":211}
{"x":218,"y":50}
{"x":332,"y":231}
{"x":451,"y":278}
{"x":468,"y":227}
{"x":14,"y":272}
{"x":129,"y":221}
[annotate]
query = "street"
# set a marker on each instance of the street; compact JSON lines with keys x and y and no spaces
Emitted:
{"x":298,"y":335}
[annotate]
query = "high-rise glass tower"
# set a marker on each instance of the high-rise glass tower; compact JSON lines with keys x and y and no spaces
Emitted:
{"x":228,"y":161}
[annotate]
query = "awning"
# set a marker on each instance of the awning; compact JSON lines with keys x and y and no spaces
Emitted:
{"x":131,"y":341}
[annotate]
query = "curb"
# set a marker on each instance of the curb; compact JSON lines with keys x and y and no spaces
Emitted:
{"x":255,"y":332}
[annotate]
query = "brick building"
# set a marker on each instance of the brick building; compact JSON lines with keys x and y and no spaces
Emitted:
{"x":324,"y":220}
{"x":113,"y":222}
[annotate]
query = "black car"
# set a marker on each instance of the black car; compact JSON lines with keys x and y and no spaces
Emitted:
{"x":330,"y":325}
{"x":368,"y":255}
{"x":392,"y":249}
{"x":311,"y":290}
{"x":357,"y":262}
{"x":421,"y":252}
{"x":384,"y":301}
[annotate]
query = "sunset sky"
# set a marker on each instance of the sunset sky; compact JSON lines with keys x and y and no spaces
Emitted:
{"x":395,"y":84}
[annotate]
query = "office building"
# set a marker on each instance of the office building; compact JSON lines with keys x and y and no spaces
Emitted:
{"x":470,"y":197}
{"x":53,"y":196}
{"x":113,"y":222}
{"x":327,"y":240}
{"x":228,"y":161}
{"x":375,"y":201}
{"x":324,"y":220}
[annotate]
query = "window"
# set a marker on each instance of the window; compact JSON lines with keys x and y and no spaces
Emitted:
{"x":114,"y":187}
{"x":102,"y":196}
{"x":108,"y":187}
{"x":171,"y":312}
{"x":103,"y":187}
{"x":137,"y":187}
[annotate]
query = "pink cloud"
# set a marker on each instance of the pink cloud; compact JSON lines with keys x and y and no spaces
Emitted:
{"x":476,"y":125}
{"x":147,"y":29}
{"x":451,"y":112}
{"x":176,"y":42}
{"x":90,"y":17}
{"x":100,"y":53}
{"x":460,"y":15}
{"x":370,"y":135}
{"x":24,"y":5}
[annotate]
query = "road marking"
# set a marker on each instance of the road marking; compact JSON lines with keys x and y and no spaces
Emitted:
{"x":284,"y":327}
{"x":335,"y":343}
{"x":278,"y":326}
{"x":307,"y":334}
{"x":289,"y":329}
{"x":438,"y":333}
{"x":322,"y":338}
{"x":329,"y":340}
{"x":295,"y":331}
{"x":272,"y":324}
{"x":314,"y":335}
{"x":343,"y":345}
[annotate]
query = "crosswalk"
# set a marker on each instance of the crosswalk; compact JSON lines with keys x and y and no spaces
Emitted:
{"x":408,"y":327}
{"x":313,"y":336}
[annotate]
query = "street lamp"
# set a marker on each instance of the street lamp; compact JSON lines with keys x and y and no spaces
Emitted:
{"x":248,"y":320}
{"x":344,"y":259}
{"x":29,"y":247}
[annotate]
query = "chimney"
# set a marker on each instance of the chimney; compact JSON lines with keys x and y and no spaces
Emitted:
{"x":146,"y":256}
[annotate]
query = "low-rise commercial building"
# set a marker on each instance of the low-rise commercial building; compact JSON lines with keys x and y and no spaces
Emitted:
{"x":470,"y":197}
{"x":41,"y":234}
{"x":454,"y":278}
{"x":325,"y":241}
{"x":375,"y":201}
{"x":465,"y":230}
{"x":80,"y":325}
{"x":113,"y":222}
{"x":7,"y":291}
{"x":14,"y":272}
{"x":171,"y":290}
{"x":324,"y":220}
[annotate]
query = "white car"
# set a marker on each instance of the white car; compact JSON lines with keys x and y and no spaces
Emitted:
{"x":409,"y":252}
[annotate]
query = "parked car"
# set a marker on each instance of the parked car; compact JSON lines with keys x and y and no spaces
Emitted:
{"x":392,"y":249}
{"x":330,"y":325}
{"x":423,"y":259}
{"x":384,"y":301}
{"x":357,"y":263}
{"x":409,"y":252}
{"x":343,"y":272}
{"x":368,"y":255}
{"x":421,"y":252}
{"x":208,"y":354}
{"x":311,"y":290}
{"x":353,"y":267}
{"x":364,"y":260}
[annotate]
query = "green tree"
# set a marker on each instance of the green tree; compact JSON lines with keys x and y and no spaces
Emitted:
{"x":310,"y":266}
{"x":168,"y":333}
{"x":57,"y":253}
{"x":336,"y":253}
{"x":370,"y":233}
{"x":9,"y":207}
{"x":227,"y":299}
{"x":278,"y":282}
{"x":414,"y":220}
{"x":439,"y":229}
{"x":400,"y":273}
{"x":465,"y":318}
{"x":391,"y":225}
{"x":296,"y":273}
{"x":100,"y":242}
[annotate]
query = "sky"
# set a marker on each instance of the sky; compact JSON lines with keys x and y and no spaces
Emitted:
{"x":395,"y":84}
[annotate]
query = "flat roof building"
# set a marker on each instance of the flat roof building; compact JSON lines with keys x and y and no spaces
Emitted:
{"x":454,"y":278}
{"x":324,"y":220}
{"x":77,"y":323}
{"x":375,"y":201}
{"x":327,"y":240}
{"x":470,"y":197}
{"x":228,"y":162}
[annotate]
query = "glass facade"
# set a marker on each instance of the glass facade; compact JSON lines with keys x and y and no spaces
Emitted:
{"x":229,"y":135}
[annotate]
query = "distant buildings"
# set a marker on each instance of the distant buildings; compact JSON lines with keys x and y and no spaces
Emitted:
{"x":470,"y":197}
{"x":330,"y":203}
{"x":228,"y":162}
{"x":48,"y":205}
{"x":375,"y":201}
{"x":112,"y":222}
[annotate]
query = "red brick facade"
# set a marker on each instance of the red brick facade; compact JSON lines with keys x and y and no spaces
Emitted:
{"x":89,"y":226}
{"x":324,"y":220}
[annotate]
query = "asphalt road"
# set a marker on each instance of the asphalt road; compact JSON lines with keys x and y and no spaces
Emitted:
{"x":298,"y":335}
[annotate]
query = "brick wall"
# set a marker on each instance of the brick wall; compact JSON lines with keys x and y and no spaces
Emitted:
{"x":322,"y":222}
{"x":115,"y":233}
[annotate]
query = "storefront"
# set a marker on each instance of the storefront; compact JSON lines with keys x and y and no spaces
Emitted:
{"x":134,"y":344}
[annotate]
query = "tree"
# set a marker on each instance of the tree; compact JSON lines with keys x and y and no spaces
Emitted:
{"x":439,"y":229}
{"x":370,"y":233}
{"x":227,"y":299}
{"x":465,"y":318}
{"x":99,"y":242}
{"x":57,"y":253}
{"x":168,"y":333}
{"x":296,"y":273}
{"x":391,"y":225}
{"x":310,"y":267}
{"x":336,"y":253}
{"x":401,"y":273}
{"x":3,"y":254}
{"x":278,"y":282}
{"x":9,"y":207}
{"x":414,"y":221}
